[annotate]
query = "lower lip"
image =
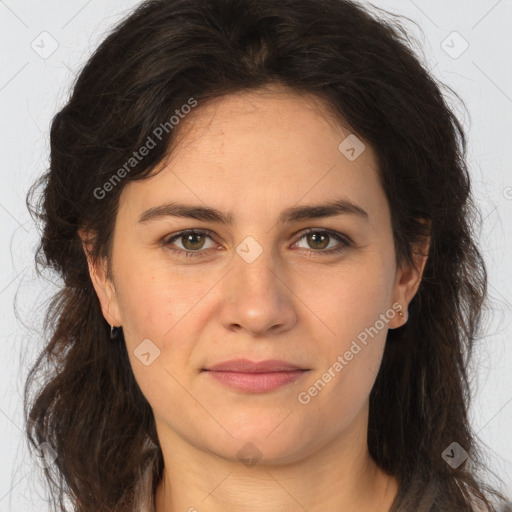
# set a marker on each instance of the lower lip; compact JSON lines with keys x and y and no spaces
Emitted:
{"x":257,"y":382}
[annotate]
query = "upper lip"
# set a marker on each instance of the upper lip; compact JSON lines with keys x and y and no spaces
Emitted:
{"x":247,"y":366}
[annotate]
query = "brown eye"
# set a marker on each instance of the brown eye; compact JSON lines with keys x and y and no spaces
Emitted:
{"x":321,"y":240}
{"x":318,"y":240}
{"x":191,"y":241}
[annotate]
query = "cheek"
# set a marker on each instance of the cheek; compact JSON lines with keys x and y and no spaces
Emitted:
{"x":144,"y":304}
{"x":164,"y":307}
{"x":357,"y":314}
{"x":354,"y":298}
{"x":154,"y":308}
{"x":342,"y":385}
{"x":149,"y":296}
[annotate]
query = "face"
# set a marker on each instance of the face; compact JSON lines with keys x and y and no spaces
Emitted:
{"x":315,"y":288}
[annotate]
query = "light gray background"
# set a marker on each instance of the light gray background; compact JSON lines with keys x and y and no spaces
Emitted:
{"x":34,"y":84}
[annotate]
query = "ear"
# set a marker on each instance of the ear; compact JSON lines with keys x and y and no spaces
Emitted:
{"x":103,"y":284}
{"x":408,"y":279}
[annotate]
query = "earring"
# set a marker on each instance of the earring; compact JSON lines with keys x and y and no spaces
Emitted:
{"x":113,"y":332}
{"x":402,"y":314}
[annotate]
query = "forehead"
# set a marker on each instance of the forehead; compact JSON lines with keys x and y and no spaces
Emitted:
{"x":259,"y":115}
{"x":269,"y":147}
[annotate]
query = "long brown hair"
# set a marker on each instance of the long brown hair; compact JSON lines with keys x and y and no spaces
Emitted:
{"x":89,"y":408}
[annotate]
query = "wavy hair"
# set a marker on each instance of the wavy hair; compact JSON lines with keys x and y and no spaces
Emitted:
{"x":81,"y":396}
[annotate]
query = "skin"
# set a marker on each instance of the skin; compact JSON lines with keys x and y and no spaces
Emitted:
{"x":253,"y":154}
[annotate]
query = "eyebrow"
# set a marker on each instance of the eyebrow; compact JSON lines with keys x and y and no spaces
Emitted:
{"x":292,"y":214}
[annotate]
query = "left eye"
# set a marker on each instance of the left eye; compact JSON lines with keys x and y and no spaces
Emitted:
{"x":319,"y":238}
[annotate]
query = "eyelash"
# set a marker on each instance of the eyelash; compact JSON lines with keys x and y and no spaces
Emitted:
{"x":345,"y":242}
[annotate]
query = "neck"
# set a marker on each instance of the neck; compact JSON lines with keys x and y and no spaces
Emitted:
{"x":340,"y":475}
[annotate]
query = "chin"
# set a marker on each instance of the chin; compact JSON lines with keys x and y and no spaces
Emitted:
{"x":257,"y":447}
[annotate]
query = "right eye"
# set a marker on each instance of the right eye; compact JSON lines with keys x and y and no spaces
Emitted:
{"x":192,"y":241}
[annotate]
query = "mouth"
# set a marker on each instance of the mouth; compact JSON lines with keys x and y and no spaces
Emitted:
{"x":255,"y":377}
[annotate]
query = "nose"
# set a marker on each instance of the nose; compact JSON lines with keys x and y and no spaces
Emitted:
{"x":256,"y":297}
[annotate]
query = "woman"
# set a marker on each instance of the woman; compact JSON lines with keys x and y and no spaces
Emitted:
{"x":262,"y":216}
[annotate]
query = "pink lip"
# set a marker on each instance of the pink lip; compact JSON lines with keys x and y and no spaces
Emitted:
{"x":247,"y":366}
{"x":257,"y":382}
{"x":256,"y":377}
